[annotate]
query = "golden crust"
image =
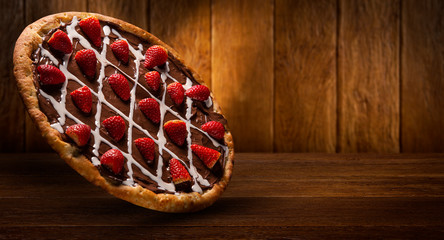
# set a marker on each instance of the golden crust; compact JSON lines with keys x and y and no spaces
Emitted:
{"x":27,"y":43}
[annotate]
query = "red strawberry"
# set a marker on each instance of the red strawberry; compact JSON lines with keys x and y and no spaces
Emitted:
{"x":198,"y":92}
{"x":82,"y":98}
{"x":155,"y":55}
{"x":150,"y":108}
{"x":60,"y":42}
{"x":113,"y":159}
{"x":91,"y":27}
{"x":153,"y":80}
{"x":121,"y":50}
{"x":87,"y":61}
{"x":79,"y":133}
{"x":120,"y":86}
{"x":177,"y":131}
{"x":50,"y":75}
{"x":178,"y":172}
{"x":207,"y":155}
{"x":146,"y":147}
{"x":176,"y":92}
{"x":214,"y":129}
{"x":115,"y":127}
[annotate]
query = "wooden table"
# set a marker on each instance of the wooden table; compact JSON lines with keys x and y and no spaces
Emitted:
{"x":271,"y":196}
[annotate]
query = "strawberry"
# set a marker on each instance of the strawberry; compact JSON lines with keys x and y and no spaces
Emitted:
{"x":178,"y":172}
{"x":176,"y":92}
{"x":153,"y":80}
{"x":91,"y":27}
{"x":79,"y":133}
{"x":150,"y":108}
{"x":155,"y":55}
{"x":82,"y":98}
{"x":50,"y":75}
{"x":214,"y":129}
{"x":87,"y":61}
{"x":113,"y":159}
{"x":198,"y":92}
{"x":120,"y":86}
{"x":146,"y":147}
{"x":177,"y":131}
{"x":121,"y":50}
{"x":115,"y":127}
{"x":60,"y":42}
{"x":207,"y":155}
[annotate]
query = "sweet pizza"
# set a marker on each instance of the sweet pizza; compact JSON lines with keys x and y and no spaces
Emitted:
{"x":123,"y":110}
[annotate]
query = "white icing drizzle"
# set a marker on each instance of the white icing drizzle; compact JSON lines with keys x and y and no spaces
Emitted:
{"x":160,"y":141}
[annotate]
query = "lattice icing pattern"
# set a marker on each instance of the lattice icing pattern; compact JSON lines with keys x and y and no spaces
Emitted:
{"x":137,"y":52}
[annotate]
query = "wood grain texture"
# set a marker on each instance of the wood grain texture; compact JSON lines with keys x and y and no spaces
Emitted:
{"x":12,"y":113}
{"x":401,"y":196}
{"x":35,"y":10}
{"x":242,"y":70}
{"x":218,"y":232}
{"x":185,"y":26}
{"x":132,"y":11}
{"x":256,"y":175}
{"x":368,"y":76}
{"x":422,"y":76}
{"x":305,"y":73}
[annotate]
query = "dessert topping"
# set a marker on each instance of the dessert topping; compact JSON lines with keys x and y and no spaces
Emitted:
{"x":121,"y":50}
{"x":214,"y":129}
{"x":198,"y":92}
{"x":91,"y":27}
{"x":113,"y":159}
{"x":50,"y":75}
{"x":82,"y":98}
{"x":153,"y":80}
{"x":146,"y":147}
{"x":155,"y":55}
{"x":60,"y":41}
{"x":176,"y":130}
{"x":178,"y":172}
{"x":176,"y":92}
{"x":79,"y":133}
{"x":120,"y":86}
{"x":115,"y":127}
{"x":87,"y":61}
{"x":207,"y":155}
{"x":150,"y":108}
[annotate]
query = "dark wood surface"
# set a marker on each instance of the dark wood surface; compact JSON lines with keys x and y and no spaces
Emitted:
{"x":305,"y":196}
{"x":310,"y":76}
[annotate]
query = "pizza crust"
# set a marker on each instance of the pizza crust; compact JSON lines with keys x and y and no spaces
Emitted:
{"x":25,"y":46}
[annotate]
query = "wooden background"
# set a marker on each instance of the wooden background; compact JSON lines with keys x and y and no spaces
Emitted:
{"x":290,"y":75}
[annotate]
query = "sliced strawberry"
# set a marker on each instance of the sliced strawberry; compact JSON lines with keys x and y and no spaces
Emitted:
{"x":207,"y":155}
{"x":150,"y":108}
{"x":214,"y":129}
{"x":155,"y":55}
{"x":82,"y":98}
{"x":60,"y":42}
{"x":115,"y":127}
{"x":79,"y":133}
{"x":87,"y":61}
{"x":153,"y":80}
{"x":176,"y":92}
{"x":178,"y":172}
{"x":50,"y":75}
{"x":120,"y":86}
{"x":91,"y":27}
{"x":146,"y":147}
{"x":113,"y":159}
{"x":177,"y":131}
{"x":198,"y":92}
{"x":121,"y":50}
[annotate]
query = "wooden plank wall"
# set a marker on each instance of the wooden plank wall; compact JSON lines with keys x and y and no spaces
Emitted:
{"x":290,"y":75}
